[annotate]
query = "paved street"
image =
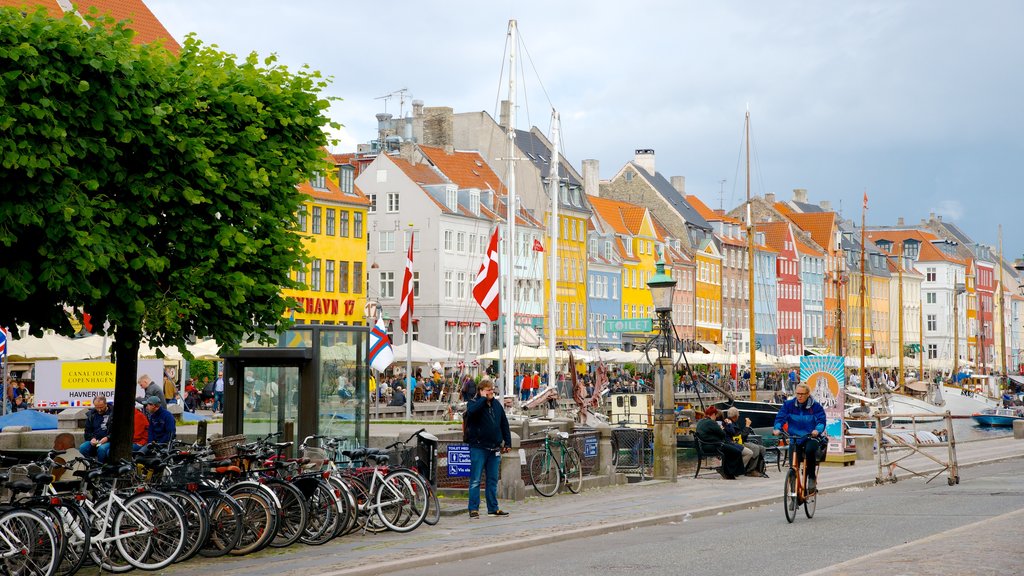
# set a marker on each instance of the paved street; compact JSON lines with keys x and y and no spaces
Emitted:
{"x":621,"y":511}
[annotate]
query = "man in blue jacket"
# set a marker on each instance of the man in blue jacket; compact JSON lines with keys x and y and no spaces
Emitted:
{"x":806,"y":420}
{"x":488,"y":436}
{"x":162,"y":427}
{"x":98,"y":425}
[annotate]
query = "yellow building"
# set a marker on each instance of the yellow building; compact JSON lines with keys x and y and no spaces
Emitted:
{"x":637,"y":243}
{"x":571,"y":299}
{"x":333,"y":227}
{"x":708,"y":293}
{"x":877,"y":330}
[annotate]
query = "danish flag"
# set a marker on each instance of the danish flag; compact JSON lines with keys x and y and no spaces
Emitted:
{"x":406,"y":306}
{"x":485,"y":289}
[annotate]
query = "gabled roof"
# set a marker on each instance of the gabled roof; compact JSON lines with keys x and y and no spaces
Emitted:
{"x":820,"y":225}
{"x":784,"y":208}
{"x":623,"y":217}
{"x":465,"y":169}
{"x":421,"y":174}
{"x":775,"y":234}
{"x":810,"y":251}
{"x":665,"y":189}
{"x":620,"y":249}
{"x":707,"y":213}
{"x":929,"y":252}
{"x":807,"y":208}
{"x":146,"y":26}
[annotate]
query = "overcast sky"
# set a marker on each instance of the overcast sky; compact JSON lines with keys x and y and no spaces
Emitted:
{"x":917,"y":102}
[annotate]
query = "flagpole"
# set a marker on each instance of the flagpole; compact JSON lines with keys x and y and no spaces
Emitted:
{"x":553,"y":249}
{"x":511,"y":212}
{"x":408,"y":377}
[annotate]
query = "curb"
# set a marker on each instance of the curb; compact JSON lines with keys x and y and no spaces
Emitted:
{"x":621,"y":526}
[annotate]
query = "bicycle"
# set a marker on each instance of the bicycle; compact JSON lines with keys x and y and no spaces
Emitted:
{"x":31,"y":539}
{"x":423,"y":468}
{"x":548,"y":471}
{"x":398,"y":498}
{"x":795,"y":491}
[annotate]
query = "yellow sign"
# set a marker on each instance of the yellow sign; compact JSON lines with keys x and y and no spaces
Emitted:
{"x":86,"y":375}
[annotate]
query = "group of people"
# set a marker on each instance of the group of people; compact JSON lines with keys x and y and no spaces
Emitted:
{"x":152,"y":422}
{"x":205,"y":395}
{"x":17,"y":395}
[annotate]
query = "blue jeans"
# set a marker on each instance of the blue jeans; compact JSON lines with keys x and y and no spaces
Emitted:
{"x":481,"y":460}
{"x":99,"y":452}
{"x":218,"y":401}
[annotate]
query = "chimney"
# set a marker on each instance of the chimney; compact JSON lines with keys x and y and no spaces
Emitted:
{"x":438,"y":125}
{"x":769,"y":198}
{"x":644,"y":158}
{"x":899,"y":221}
{"x":417,"y":108}
{"x":383,"y":127}
{"x":826,"y":205}
{"x":503,"y":120}
{"x":800,"y":195}
{"x":679,"y":183}
{"x":591,"y":177}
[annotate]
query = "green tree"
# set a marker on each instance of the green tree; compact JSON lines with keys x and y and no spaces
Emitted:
{"x":155,"y":192}
{"x":199,"y":369}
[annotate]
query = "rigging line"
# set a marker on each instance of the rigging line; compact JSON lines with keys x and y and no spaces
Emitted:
{"x":522,"y":42}
{"x":526,"y":96}
{"x":501,"y":76}
{"x":736,"y":175}
{"x":757,"y":166}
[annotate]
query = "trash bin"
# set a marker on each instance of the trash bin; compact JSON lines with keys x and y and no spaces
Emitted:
{"x":426,"y":453}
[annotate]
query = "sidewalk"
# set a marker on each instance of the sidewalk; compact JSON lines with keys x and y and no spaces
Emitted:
{"x":538,"y":520}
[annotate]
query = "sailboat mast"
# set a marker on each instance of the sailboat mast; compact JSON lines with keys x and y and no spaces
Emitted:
{"x":1002,"y":305}
{"x":553,"y":248}
{"x":863,"y":289}
{"x":510,"y":240}
{"x":750,"y":272}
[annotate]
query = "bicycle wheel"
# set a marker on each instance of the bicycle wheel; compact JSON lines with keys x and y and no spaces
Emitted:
{"x":259,"y":519}
{"x":225,"y":526}
{"x":789,"y":496}
{"x":103,"y":549}
{"x":293,"y":515}
{"x":810,"y":502}
{"x":367,"y":518}
{"x":573,"y":471}
{"x":323,"y":515}
{"x":197,"y":522}
{"x":151,"y":530}
{"x":28,"y":544}
{"x":433,"y":515}
{"x":346,"y":505}
{"x":544,"y":473}
{"x":401,"y":501}
{"x":77,"y":532}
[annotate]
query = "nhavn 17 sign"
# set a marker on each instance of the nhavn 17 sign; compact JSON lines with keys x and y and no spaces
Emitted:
{"x":62,"y":384}
{"x":629,"y":325}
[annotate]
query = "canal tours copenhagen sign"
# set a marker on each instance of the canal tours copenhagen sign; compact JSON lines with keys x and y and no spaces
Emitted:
{"x":61,"y":384}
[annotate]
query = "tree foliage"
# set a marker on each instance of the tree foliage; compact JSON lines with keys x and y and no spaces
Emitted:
{"x":156,"y":192}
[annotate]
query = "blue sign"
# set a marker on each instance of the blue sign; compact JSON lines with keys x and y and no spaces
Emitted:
{"x":590,"y":447}
{"x":458,"y":460}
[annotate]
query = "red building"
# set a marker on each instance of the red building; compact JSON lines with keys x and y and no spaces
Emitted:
{"x":779,"y":237}
{"x":985,"y":287}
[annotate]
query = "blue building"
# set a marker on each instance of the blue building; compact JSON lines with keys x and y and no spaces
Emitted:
{"x":766,"y":303}
{"x":604,"y":297}
{"x":812,"y":292}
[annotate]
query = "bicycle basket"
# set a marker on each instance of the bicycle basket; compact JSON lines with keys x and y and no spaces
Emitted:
{"x":226,"y":447}
{"x":404,"y":457}
{"x":184,"y":474}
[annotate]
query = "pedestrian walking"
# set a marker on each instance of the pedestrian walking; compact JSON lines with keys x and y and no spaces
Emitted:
{"x":488,"y":436}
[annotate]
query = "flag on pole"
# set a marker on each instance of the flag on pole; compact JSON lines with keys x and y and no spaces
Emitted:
{"x":865,"y":199}
{"x":3,"y":344}
{"x":537,"y":246}
{"x":381,"y":352}
{"x":406,"y":307}
{"x":485,"y":289}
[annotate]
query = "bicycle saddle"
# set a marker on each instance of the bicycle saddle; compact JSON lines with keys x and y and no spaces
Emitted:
{"x":280,"y":445}
{"x":21,"y":486}
{"x":151,"y":461}
{"x":41,"y":478}
{"x":360,"y":453}
{"x":89,"y":475}
{"x":379,"y":458}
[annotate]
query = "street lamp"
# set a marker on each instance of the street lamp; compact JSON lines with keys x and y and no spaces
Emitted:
{"x":662,"y":288}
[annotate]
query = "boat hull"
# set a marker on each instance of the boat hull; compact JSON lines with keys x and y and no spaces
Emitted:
{"x":996,"y":420}
{"x":761,"y":414}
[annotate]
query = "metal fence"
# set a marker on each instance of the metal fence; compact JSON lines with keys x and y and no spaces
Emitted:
{"x":633,"y":451}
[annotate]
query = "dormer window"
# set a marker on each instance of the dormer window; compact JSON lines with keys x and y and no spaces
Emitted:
{"x":474,"y":202}
{"x":346,"y":179}
{"x":451,"y":198}
{"x":629,"y":246}
{"x":608,"y":249}
{"x":319,"y":181}
{"x":885,"y":245}
{"x":911,"y":249}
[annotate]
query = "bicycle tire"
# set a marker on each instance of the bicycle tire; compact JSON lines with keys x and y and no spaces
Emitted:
{"x":346,"y":505}
{"x":405,"y":492}
{"x":544,"y":473}
{"x":34,"y":544}
{"x":52,"y":516}
{"x":573,"y":471}
{"x":197,"y":522}
{"x":259,"y":519}
{"x":433,"y":515}
{"x":323,"y":515}
{"x":164,"y":536}
{"x":77,"y":532}
{"x":105,"y":554}
{"x":810,"y":504}
{"x":789,"y":496}
{"x":225,"y":526}
{"x":367,"y":518}
{"x":293,"y":515}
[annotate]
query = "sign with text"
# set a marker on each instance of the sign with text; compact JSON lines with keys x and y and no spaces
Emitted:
{"x":629,"y":325}
{"x":62,"y":384}
{"x":826,"y":377}
{"x":590,"y":447}
{"x":458,"y":460}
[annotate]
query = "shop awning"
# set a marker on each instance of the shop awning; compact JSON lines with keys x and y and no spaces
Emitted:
{"x":1018,"y":379}
{"x":713,"y":348}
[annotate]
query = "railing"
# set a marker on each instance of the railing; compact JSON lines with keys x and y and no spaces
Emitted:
{"x":893,"y":447}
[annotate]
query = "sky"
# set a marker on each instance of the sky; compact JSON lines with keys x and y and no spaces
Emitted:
{"x":918,"y":103}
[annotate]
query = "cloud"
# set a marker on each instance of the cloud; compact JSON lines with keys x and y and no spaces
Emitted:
{"x":950,"y":209}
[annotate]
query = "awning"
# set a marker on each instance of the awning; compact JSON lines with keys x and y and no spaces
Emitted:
{"x":528,"y":336}
{"x":713,"y":348}
{"x":1017,"y":379}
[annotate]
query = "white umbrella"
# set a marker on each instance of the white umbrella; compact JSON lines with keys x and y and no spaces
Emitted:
{"x":52,"y":347}
{"x":421,"y":353}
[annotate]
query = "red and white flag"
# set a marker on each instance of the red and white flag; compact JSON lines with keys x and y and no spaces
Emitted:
{"x":537,"y":246}
{"x":865,"y":199}
{"x":485,"y":289}
{"x":406,"y":307}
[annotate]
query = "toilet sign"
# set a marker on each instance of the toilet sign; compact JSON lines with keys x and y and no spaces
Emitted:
{"x":458,"y":460}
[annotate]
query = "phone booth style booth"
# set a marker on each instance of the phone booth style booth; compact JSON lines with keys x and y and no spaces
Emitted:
{"x":311,"y":380}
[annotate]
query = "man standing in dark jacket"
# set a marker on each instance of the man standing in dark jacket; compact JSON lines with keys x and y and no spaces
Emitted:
{"x":98,"y":423}
{"x":161,"y":423}
{"x":488,"y":436}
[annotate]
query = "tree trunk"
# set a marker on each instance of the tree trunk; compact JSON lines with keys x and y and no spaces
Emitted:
{"x":126,"y":354}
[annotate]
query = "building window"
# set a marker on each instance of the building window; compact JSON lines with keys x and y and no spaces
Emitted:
{"x":319,"y":181}
{"x":357,"y":224}
{"x":387,"y":284}
{"x":343,"y":223}
{"x":382,"y":178}
{"x":357,"y":278}
{"x":447,"y":336}
{"x":302,"y":218}
{"x":460,"y":242}
{"x":373,"y":203}
{"x":930,"y":273}
{"x":346,"y":179}
{"x":300,"y":276}
{"x":415,"y":239}
{"x":930,"y":297}
{"x":387,"y":240}
{"x":342,"y":276}
{"x":474,"y":202}
{"x":933,"y":351}
{"x":932,"y":323}
{"x":316,"y":219}
{"x":329,"y":276}
{"x":416,"y":284}
{"x":461,"y":286}
{"x":392,"y":201}
{"x":448,"y":285}
{"x":415,"y":332}
{"x":448,"y":240}
{"x":315,"y":279}
{"x":472,"y":244}
{"x":330,"y":222}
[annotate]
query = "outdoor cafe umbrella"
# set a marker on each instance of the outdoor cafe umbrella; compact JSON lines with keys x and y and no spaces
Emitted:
{"x":421,"y":353}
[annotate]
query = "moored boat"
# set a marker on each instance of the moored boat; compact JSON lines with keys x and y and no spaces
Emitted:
{"x":1001,"y":417}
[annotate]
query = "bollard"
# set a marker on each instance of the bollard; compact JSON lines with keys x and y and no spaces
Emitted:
{"x":865,"y":447}
{"x":510,"y":484}
{"x":604,"y":451}
{"x":201,"y":432}
{"x":1018,"y":429}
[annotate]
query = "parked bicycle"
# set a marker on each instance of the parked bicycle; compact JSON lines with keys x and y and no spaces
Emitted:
{"x":555,"y":464}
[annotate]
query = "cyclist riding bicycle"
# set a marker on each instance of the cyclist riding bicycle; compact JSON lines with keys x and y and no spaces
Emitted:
{"x":806,"y":425}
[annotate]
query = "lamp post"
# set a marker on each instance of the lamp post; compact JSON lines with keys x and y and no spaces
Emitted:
{"x":662,"y":288}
